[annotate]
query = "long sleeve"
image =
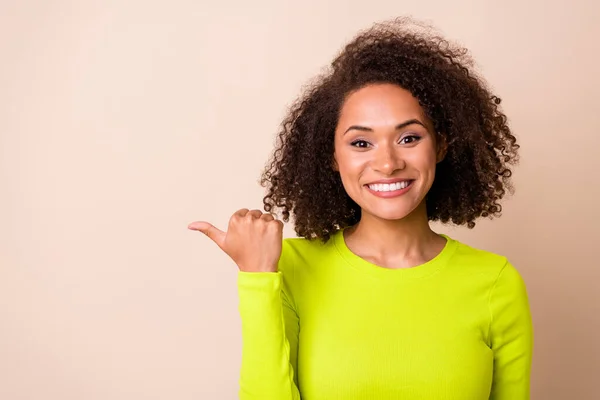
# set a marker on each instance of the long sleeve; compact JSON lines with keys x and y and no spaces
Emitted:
{"x":269,"y":338}
{"x":511,"y":337}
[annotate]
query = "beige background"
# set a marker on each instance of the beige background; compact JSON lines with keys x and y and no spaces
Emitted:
{"x":122,"y":121}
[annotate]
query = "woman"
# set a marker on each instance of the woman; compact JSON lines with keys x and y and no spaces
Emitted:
{"x":370,"y":302}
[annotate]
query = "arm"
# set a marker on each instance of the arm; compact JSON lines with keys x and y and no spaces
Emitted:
{"x":511,"y":336}
{"x":254,"y":241}
{"x":269,"y":337}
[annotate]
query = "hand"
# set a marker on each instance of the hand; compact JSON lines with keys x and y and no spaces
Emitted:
{"x":253,"y":239}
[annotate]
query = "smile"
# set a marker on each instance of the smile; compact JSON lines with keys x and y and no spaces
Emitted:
{"x":389,"y":187}
{"x":387,"y":190}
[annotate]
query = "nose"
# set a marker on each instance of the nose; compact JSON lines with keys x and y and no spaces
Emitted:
{"x":388,"y":160}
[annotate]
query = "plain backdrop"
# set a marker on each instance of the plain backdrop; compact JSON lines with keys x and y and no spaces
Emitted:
{"x":122,"y":121}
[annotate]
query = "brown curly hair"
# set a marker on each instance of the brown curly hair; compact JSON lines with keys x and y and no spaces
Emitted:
{"x":469,"y":182}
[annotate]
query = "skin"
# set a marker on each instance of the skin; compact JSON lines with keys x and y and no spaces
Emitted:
{"x":382,"y":133}
{"x":252,"y":240}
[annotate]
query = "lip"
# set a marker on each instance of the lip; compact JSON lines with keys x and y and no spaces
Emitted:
{"x":390,"y":180}
{"x":395,"y":193}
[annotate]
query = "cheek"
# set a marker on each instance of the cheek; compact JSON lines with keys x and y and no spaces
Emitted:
{"x":342,"y":159}
{"x":351,"y":166}
{"x":424,"y":161}
{"x":350,"y":169}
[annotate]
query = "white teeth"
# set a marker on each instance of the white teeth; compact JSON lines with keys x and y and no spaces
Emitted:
{"x":388,"y":187}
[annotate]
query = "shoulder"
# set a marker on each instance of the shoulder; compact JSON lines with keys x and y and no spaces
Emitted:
{"x":307,"y":256}
{"x":495,"y":266}
{"x":301,"y":263}
{"x":297,"y":251}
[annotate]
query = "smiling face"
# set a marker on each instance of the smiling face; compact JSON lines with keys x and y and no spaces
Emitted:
{"x":385,"y":151}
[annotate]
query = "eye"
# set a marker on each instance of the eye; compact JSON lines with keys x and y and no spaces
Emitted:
{"x":362,"y":144}
{"x":410,"y":139}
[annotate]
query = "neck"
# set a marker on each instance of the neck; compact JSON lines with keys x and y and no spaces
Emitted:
{"x":407,"y":241}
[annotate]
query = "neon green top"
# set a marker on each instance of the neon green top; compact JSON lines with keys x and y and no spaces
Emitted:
{"x":330,"y":325}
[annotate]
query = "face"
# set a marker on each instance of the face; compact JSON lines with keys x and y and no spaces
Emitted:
{"x":385,"y":151}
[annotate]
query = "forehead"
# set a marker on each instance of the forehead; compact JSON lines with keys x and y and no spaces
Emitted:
{"x":380,"y":104}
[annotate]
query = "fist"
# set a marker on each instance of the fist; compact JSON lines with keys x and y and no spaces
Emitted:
{"x":252,"y":240}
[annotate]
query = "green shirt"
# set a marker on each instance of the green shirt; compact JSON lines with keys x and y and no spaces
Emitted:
{"x":330,"y":325}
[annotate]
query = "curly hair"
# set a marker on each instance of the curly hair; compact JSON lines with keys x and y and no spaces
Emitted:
{"x":469,"y":181}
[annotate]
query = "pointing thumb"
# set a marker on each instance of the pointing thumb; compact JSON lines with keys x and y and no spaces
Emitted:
{"x":215,"y":234}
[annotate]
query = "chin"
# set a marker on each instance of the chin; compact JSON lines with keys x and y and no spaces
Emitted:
{"x":390,"y":215}
{"x":394,"y":212}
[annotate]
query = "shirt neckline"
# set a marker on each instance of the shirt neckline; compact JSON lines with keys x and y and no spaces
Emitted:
{"x":428,"y":268}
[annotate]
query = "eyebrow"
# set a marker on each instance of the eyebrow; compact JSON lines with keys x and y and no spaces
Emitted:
{"x":399,"y":126}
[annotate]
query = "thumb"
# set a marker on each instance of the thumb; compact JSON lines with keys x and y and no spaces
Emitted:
{"x":215,"y":234}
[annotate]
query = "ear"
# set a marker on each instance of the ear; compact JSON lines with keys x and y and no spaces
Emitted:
{"x":334,"y":164}
{"x":442,"y":147}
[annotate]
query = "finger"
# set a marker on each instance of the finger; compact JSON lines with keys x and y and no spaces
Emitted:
{"x":255,"y":213}
{"x":215,"y":234}
{"x":267,"y":217}
{"x":240,"y":213}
